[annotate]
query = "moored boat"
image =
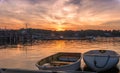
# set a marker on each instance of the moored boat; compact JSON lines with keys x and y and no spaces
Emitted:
{"x":101,"y":60}
{"x":60,"y":62}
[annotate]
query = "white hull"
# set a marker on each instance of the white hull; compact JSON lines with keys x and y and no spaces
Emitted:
{"x":71,"y":66}
{"x":98,"y":61}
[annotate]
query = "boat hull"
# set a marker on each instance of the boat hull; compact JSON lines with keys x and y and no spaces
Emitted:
{"x":72,"y":66}
{"x":101,"y":62}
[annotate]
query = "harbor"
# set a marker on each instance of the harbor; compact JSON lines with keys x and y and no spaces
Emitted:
{"x":29,"y":35}
{"x":26,"y":56}
{"x":59,"y":36}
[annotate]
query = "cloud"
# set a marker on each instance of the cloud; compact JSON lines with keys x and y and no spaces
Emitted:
{"x":73,"y":2}
{"x":58,"y":12}
{"x":112,"y":24}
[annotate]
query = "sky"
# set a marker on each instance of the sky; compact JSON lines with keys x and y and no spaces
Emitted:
{"x":60,"y":15}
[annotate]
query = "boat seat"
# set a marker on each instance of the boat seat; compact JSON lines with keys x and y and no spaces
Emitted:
{"x":73,"y":59}
{"x":59,"y":63}
{"x":68,"y":58}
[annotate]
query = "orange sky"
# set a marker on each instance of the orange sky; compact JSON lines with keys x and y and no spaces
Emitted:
{"x":60,"y":14}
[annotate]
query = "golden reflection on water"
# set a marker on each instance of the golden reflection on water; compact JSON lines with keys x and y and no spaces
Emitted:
{"x":25,"y":56}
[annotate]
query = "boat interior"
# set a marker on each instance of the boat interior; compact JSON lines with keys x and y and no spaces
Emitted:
{"x":60,"y":59}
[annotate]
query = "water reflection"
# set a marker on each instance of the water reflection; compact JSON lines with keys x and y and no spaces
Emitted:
{"x":25,"y":56}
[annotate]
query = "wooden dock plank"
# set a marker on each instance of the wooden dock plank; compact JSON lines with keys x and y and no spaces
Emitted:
{"x":38,"y":71}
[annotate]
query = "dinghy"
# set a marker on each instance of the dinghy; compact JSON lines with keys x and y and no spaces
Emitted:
{"x":36,"y":71}
{"x":60,"y":62}
{"x":101,"y":60}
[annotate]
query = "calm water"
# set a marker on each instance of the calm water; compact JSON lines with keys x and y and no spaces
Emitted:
{"x":25,"y":56}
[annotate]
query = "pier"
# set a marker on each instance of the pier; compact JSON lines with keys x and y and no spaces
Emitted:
{"x":39,"y":71}
{"x":14,"y":37}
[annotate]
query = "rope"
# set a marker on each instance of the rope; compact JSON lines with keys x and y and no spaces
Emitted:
{"x":95,"y":62}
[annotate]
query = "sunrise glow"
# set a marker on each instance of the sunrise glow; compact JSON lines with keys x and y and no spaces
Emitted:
{"x":60,"y":15}
{"x":59,"y":28}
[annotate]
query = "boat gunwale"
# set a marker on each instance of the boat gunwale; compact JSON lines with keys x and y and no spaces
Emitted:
{"x":101,"y":55}
{"x":78,"y":60}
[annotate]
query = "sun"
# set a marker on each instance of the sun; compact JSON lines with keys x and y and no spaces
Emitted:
{"x":60,"y":28}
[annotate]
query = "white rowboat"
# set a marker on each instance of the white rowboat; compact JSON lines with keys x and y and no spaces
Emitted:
{"x":60,"y":62}
{"x":101,"y":60}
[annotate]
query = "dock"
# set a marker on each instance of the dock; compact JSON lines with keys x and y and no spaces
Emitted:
{"x":4,"y":70}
